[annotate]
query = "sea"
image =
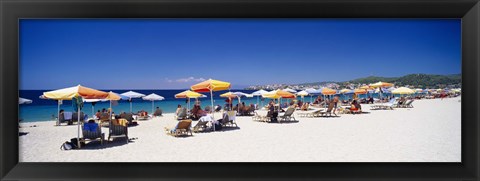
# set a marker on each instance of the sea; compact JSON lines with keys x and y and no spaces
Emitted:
{"x":46,"y":110}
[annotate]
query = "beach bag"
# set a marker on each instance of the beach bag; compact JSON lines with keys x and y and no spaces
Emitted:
{"x":67,"y":146}
{"x":74,"y":142}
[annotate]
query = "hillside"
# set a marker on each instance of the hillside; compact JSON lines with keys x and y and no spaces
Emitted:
{"x":417,"y":80}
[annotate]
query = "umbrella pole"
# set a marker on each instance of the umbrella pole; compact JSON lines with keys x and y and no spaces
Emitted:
{"x":213,"y":115}
{"x":58,"y":112}
{"x":258,"y":103}
{"x":78,"y":127}
{"x":130,"y":105}
{"x":93,"y":109}
{"x":153,"y":105}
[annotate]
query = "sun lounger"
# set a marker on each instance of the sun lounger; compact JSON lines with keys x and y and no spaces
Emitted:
{"x":327,"y":113}
{"x":407,"y":104}
{"x":90,"y":135}
{"x":258,"y":117}
{"x":182,"y":128}
{"x":200,"y":126}
{"x":309,"y":113}
{"x":118,"y":128}
{"x":231,"y":118}
{"x":288,"y":115}
{"x":388,"y":106}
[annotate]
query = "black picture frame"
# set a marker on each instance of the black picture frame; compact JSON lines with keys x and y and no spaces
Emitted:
{"x":12,"y":11}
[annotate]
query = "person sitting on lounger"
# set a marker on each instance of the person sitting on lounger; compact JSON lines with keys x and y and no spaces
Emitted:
{"x":355,"y":106}
{"x":401,"y":101}
{"x":91,"y":125}
{"x":218,"y":108}
{"x":179,"y":108}
{"x":370,"y":100}
{"x":197,"y":112}
{"x":98,"y":114}
{"x":158,"y":112}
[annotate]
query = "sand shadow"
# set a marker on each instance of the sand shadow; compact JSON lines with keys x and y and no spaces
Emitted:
{"x":228,"y":128}
{"x":96,"y":144}
{"x":22,"y":133}
{"x":285,"y":122}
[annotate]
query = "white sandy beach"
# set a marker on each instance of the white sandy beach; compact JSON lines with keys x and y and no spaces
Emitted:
{"x":429,"y":132}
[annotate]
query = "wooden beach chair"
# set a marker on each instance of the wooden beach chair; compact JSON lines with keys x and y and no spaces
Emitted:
{"x":182,"y":128}
{"x":118,"y":128}
{"x":230,"y":119}
{"x":200,"y":126}
{"x":288,"y":115}
{"x":258,"y":117}
{"x":328,"y":112}
{"x":93,"y":135}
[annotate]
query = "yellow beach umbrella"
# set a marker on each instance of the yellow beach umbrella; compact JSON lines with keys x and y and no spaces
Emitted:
{"x":360,"y":91}
{"x":403,"y":90}
{"x":328,"y":91}
{"x":381,"y":84}
{"x":278,"y":94}
{"x":188,"y":94}
{"x":366,"y":87}
{"x":76,"y":91}
{"x":229,"y":95}
{"x":343,"y":91}
{"x":210,"y":86}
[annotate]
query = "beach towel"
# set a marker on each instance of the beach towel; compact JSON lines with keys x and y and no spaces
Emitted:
{"x":121,"y":122}
{"x":67,"y":115}
{"x":92,"y":127}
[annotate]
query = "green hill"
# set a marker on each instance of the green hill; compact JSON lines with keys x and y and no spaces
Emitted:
{"x":417,"y":80}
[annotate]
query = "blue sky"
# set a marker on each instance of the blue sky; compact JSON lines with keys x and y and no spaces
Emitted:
{"x":177,"y":53}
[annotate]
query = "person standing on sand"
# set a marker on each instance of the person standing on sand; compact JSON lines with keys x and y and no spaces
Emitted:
{"x":335,"y":101}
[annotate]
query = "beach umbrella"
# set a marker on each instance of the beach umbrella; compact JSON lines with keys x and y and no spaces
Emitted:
{"x":237,"y":95}
{"x":130,"y":95}
{"x":210,"y":86}
{"x":312,"y":92}
{"x":365,"y":87}
{"x":381,"y":84}
{"x":241,"y":94}
{"x":360,"y":91}
{"x":302,"y":94}
{"x":289,"y":90}
{"x":110,"y":96}
{"x":59,"y":102}
{"x":403,"y":90}
{"x":277,"y":94}
{"x":258,"y":94}
{"x":188,"y":95}
{"x":328,"y":91}
{"x":153,"y":97}
{"x":75,"y":92}
{"x":345,"y":91}
{"x":24,"y":101}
